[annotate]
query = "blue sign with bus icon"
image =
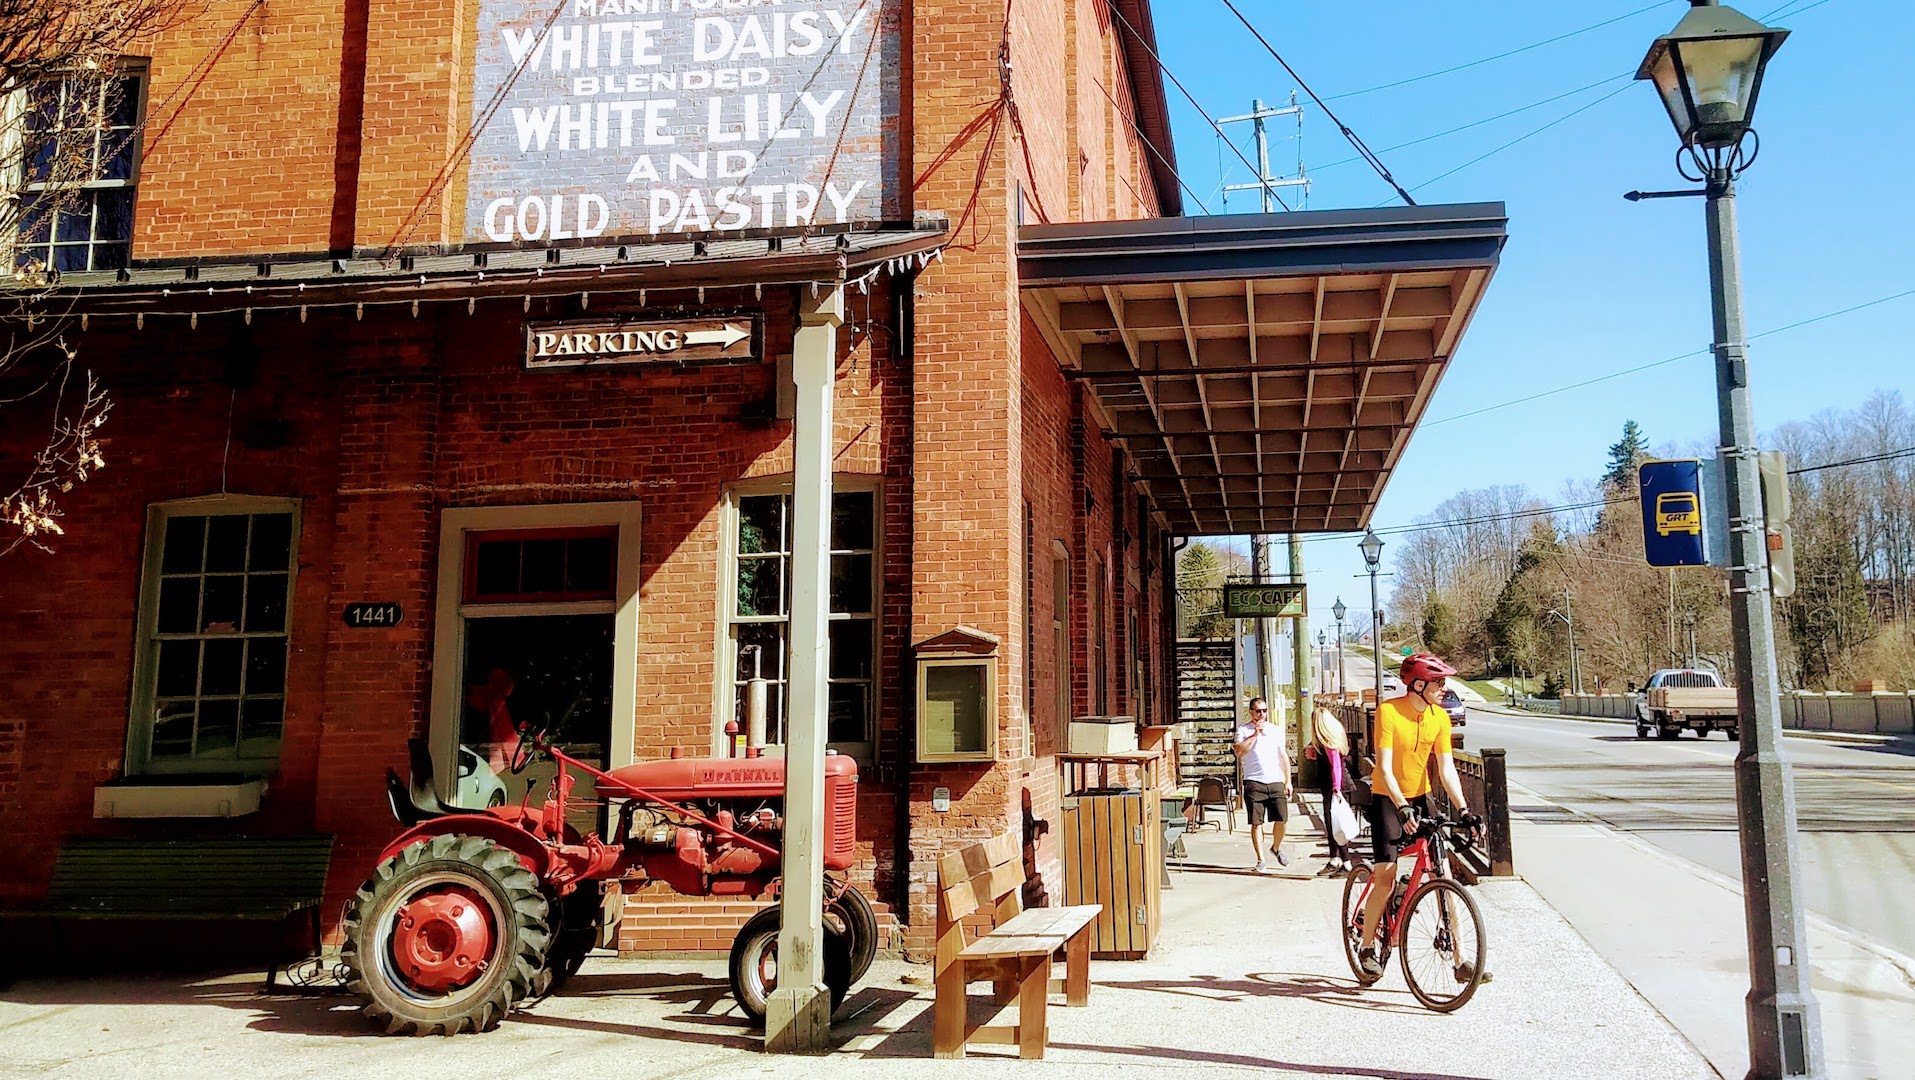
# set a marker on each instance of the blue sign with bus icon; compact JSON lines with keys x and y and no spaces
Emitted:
{"x":1672,"y":513}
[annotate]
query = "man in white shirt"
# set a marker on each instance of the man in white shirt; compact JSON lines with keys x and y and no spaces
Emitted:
{"x":1266,"y":779}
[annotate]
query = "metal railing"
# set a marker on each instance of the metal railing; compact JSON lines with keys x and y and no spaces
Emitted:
{"x":1484,"y":776}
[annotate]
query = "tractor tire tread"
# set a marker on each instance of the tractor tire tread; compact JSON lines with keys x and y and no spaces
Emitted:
{"x":522,"y":900}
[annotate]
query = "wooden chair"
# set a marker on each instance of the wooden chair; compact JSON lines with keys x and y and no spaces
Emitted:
{"x":1015,"y":953}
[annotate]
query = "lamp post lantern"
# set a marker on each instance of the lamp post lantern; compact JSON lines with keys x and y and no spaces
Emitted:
{"x":1708,"y":71}
{"x":1372,"y":547}
{"x":1339,"y":610}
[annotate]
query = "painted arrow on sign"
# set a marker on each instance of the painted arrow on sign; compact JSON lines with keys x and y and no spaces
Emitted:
{"x":724,"y":339}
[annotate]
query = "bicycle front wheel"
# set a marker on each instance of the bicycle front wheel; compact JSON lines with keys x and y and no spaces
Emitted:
{"x":1355,"y":887}
{"x":1441,"y":943}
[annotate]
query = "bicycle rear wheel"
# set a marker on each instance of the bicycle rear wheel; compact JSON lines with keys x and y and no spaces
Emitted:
{"x":1352,"y":924}
{"x":1442,"y":944}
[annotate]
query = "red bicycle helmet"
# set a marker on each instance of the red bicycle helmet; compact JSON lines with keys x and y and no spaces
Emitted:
{"x":1422,"y":667}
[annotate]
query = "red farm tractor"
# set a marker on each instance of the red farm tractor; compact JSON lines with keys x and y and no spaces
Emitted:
{"x":472,"y":912}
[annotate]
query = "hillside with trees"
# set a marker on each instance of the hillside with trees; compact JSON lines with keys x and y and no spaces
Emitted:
{"x":1493,"y":577}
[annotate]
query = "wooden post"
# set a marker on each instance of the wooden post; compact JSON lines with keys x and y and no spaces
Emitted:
{"x":1502,"y":860}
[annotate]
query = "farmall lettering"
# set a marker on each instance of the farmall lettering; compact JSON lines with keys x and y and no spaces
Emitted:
{"x":619,"y":117}
{"x":684,"y":341}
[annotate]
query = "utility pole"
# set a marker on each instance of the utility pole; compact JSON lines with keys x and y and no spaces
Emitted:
{"x":1299,"y":653}
{"x":1260,"y":628}
{"x":1267,"y":184}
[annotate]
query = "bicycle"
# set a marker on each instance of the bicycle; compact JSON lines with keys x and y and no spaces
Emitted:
{"x":1431,"y":921}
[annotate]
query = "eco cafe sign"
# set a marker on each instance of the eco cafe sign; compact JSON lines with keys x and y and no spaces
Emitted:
{"x":623,"y":117}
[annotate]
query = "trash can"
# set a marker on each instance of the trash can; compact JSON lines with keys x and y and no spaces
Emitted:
{"x":1113,"y":856}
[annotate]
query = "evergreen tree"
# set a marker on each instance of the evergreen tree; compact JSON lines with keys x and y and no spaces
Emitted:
{"x":1200,"y":577}
{"x":1625,"y":455}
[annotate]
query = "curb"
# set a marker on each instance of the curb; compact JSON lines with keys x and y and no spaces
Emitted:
{"x":1851,"y":738}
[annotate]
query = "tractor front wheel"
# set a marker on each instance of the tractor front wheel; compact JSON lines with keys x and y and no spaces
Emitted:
{"x":577,"y":919}
{"x":852,"y":916}
{"x":754,"y":964}
{"x":445,"y":937}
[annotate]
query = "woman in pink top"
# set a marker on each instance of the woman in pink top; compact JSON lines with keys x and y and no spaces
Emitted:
{"x":1330,"y":740}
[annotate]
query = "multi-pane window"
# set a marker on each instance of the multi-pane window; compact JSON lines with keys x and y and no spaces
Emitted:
{"x":760,"y":613}
{"x":78,"y":166}
{"x":216,"y":641}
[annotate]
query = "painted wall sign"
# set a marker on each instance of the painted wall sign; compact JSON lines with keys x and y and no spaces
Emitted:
{"x":379,"y":614}
{"x":624,"y":117}
{"x":692,"y":340}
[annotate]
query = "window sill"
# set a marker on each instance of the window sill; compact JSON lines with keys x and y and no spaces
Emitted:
{"x":183,"y":797}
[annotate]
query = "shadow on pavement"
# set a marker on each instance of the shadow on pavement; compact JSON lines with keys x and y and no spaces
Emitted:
{"x":1250,"y":1061}
{"x":1213,"y":988}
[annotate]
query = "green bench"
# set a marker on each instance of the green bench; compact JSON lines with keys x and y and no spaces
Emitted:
{"x":256,"y":878}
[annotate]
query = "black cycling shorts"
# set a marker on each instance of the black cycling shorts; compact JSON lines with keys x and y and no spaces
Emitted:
{"x":1386,"y":825}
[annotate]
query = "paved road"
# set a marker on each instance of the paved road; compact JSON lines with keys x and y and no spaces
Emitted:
{"x":1855,"y":807}
{"x":1634,"y":843}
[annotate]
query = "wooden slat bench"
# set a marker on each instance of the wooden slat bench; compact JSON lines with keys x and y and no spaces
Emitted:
{"x":1016,"y":953}
{"x":263,"y":878}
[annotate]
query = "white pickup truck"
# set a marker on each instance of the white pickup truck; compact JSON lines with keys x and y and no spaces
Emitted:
{"x":1677,"y":698}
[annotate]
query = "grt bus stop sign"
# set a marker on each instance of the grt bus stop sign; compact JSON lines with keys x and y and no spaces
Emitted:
{"x":1673,"y":509}
{"x":1263,"y":601}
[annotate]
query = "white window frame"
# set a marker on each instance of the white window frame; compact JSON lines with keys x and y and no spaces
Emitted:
{"x":451,"y":612}
{"x":724,"y":690}
{"x":138,"y":759}
{"x":19,"y":187}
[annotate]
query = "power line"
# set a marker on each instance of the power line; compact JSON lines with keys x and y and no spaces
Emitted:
{"x":1522,"y":138}
{"x":1368,"y":155}
{"x":1130,"y":118}
{"x":1501,"y":55}
{"x":1669,"y":360}
{"x":1111,"y":6}
{"x":1891,"y":455}
{"x":1485,"y":120}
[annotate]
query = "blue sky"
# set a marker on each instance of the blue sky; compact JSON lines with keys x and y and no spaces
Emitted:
{"x":1589,"y":283}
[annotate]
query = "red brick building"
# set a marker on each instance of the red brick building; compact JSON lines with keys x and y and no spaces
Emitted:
{"x":353,"y":498}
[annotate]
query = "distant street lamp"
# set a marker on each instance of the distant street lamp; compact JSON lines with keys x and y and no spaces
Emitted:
{"x":1372,"y":547}
{"x":1575,"y":669}
{"x":1708,"y":71}
{"x":1339,"y":610}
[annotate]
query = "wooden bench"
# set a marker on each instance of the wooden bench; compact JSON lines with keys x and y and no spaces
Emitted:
{"x":261,"y":878}
{"x":1015,"y":954}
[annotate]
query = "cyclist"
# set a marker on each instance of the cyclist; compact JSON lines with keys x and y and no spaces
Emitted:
{"x":1410,"y":731}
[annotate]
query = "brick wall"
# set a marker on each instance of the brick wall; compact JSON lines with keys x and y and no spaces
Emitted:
{"x":319,"y":128}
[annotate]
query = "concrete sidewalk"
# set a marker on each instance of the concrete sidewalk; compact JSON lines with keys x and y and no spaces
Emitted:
{"x":1675,"y":930}
{"x":1247,"y":979}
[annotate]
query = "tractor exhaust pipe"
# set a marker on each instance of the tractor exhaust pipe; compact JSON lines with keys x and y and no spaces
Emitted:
{"x":757,"y":700}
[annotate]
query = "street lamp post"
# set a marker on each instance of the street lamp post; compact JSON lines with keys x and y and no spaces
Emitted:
{"x":1339,"y":610}
{"x":1575,"y":669}
{"x":1708,"y":71}
{"x":1372,"y":547}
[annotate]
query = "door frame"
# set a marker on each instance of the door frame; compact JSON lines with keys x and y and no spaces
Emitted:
{"x":448,"y":630}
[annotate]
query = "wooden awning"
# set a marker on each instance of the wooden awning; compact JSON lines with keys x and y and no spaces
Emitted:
{"x":1264,"y":372}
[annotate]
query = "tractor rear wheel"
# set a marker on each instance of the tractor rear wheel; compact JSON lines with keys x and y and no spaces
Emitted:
{"x":859,"y":924}
{"x":754,"y":964}
{"x":445,"y":937}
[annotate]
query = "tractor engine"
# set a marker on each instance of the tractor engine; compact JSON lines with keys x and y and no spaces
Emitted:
{"x":743,"y":794}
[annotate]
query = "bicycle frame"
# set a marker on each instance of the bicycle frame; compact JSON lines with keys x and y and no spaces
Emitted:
{"x":1431,"y":861}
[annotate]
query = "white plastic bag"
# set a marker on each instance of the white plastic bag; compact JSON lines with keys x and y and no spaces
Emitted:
{"x":1343,"y":824}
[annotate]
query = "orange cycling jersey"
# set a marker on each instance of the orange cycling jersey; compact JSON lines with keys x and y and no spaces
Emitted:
{"x":1411,"y":738}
